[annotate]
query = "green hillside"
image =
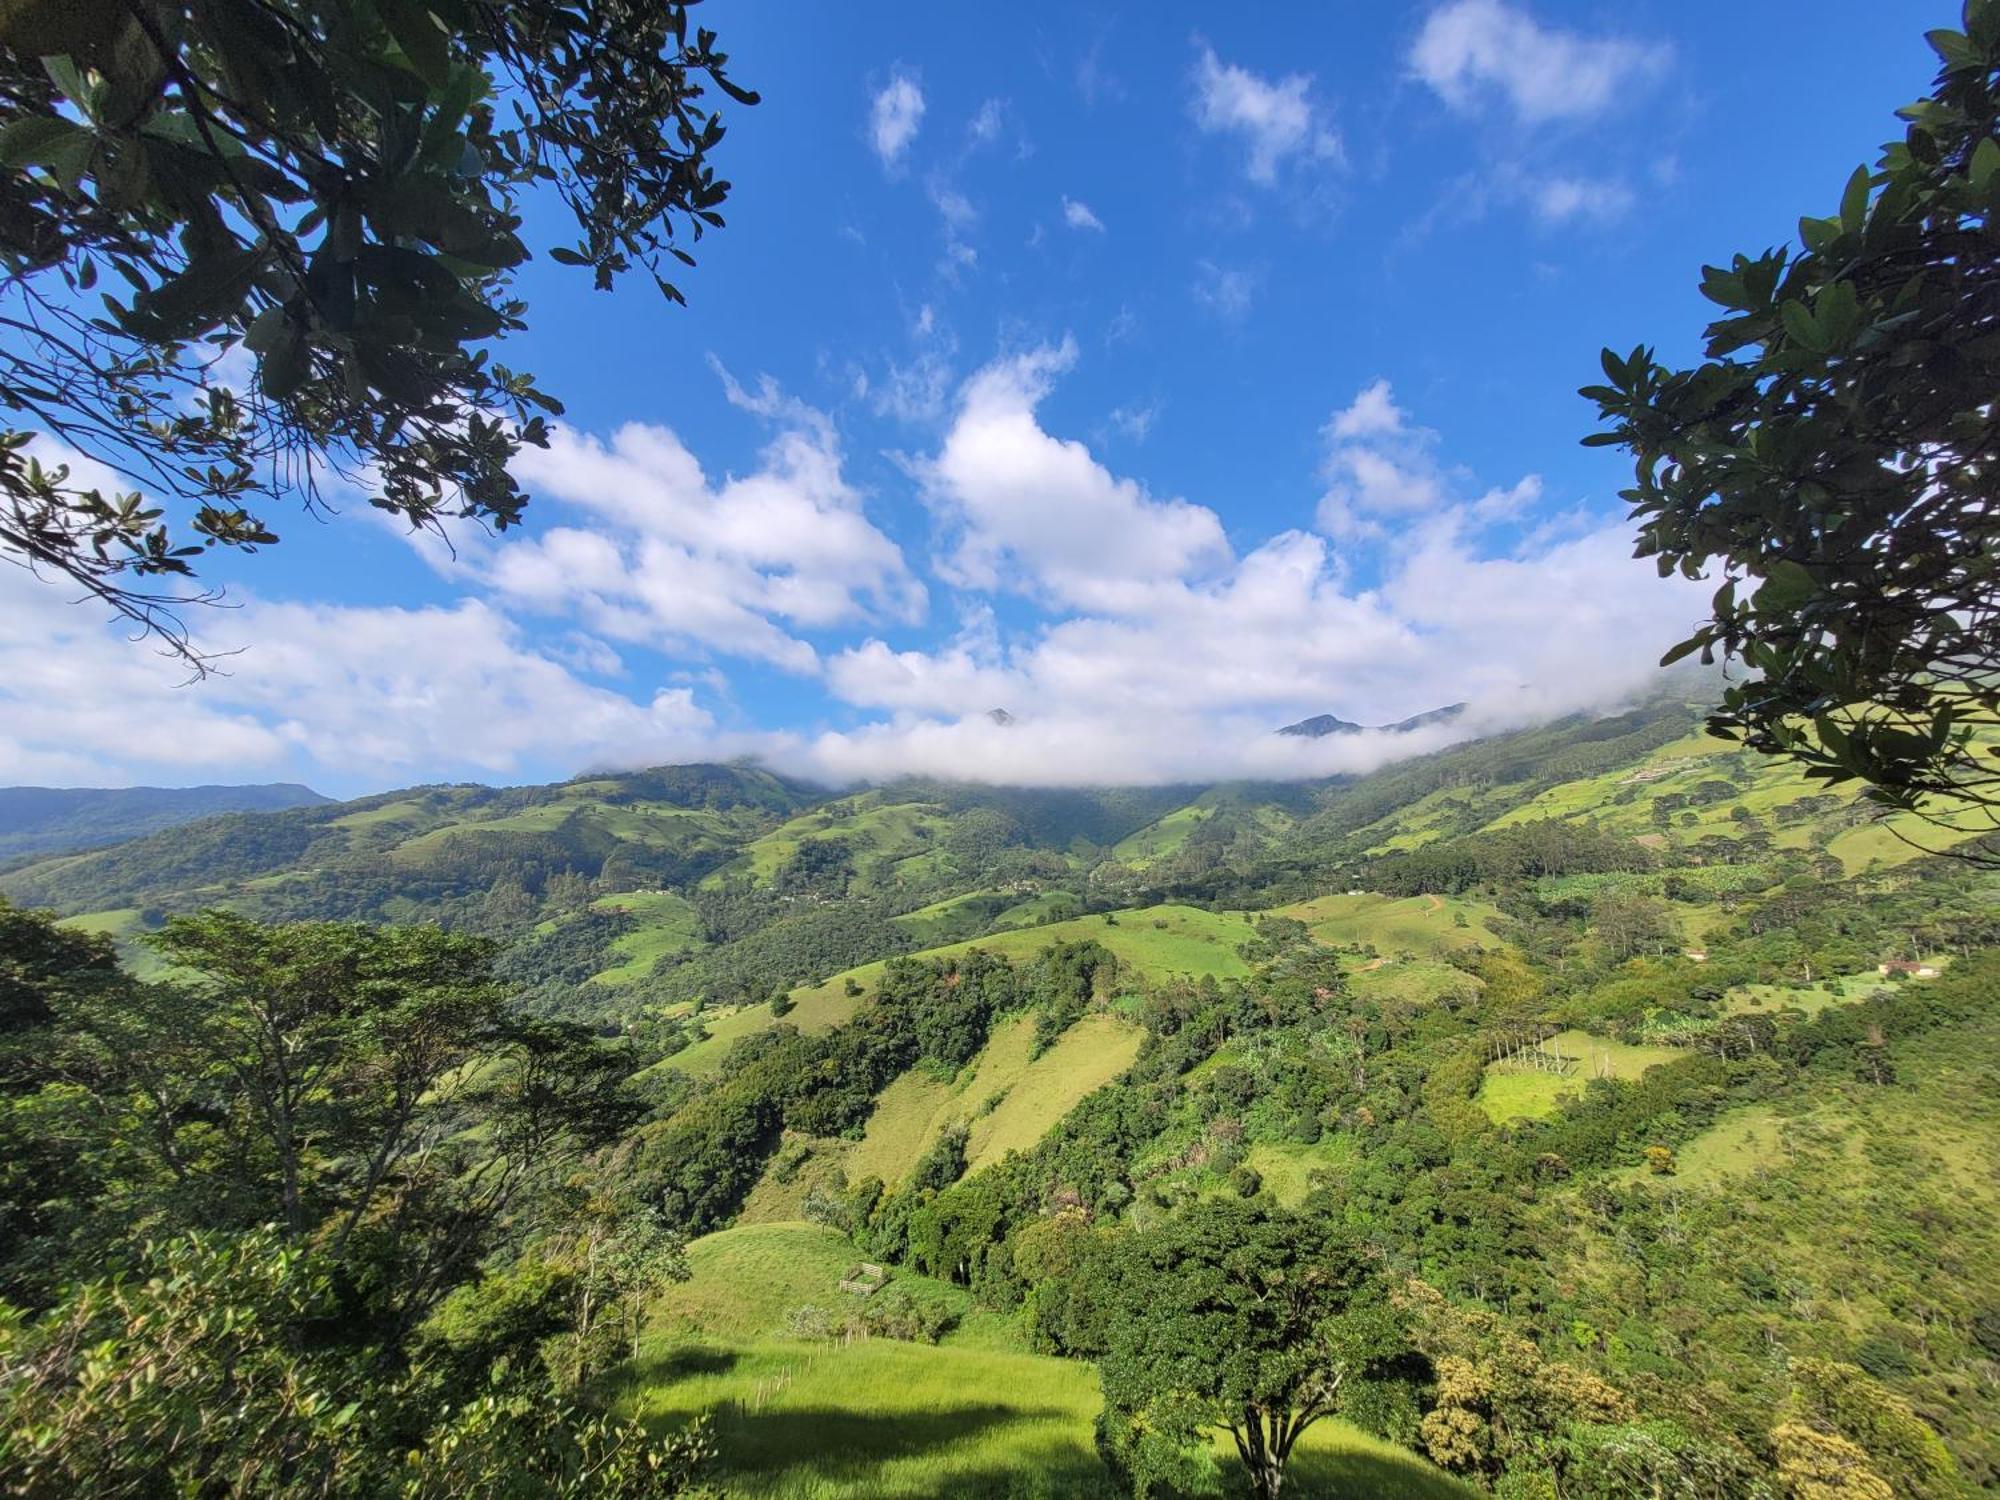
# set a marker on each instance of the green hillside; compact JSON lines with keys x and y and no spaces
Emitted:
{"x":983,"y":1039}
{"x":975,"y":1414}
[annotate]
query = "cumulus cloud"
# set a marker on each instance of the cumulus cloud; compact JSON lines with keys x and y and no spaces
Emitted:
{"x":1041,"y":515}
{"x":1475,"y":51}
{"x":1077,"y":215}
{"x":894,"y":117}
{"x":1188,"y":675}
{"x":1276,"y":120}
{"x":1162,"y":654}
{"x":383,"y":695}
{"x":663,"y":556}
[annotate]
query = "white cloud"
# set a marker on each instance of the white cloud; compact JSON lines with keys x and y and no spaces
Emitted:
{"x":667,"y":558}
{"x":1472,"y":50}
{"x":1136,"y":421}
{"x":987,"y":122}
{"x":894,"y":117}
{"x":1077,"y":215}
{"x":1373,"y":414}
{"x":1562,"y":200}
{"x":1382,"y":472}
{"x":1225,"y":291}
{"x":1278,"y":121}
{"x":329,"y":692}
{"x":1166,"y":655}
{"x":1040,"y":514}
{"x":953,"y":207}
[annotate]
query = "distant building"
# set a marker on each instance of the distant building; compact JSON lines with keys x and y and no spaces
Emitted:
{"x":1907,"y":968}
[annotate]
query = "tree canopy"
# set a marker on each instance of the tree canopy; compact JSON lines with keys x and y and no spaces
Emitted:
{"x":332,"y":193}
{"x":1832,"y":460}
{"x":1237,"y":1317}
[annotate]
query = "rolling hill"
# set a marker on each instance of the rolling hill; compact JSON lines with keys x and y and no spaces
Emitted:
{"x":38,"y":820}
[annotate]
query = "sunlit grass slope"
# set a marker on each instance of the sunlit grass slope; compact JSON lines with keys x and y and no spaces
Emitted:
{"x":1415,"y":924}
{"x":975,"y":1416}
{"x":1157,"y":941}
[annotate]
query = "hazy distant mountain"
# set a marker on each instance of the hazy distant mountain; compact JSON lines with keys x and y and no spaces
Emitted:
{"x":1319,"y":726}
{"x":43,"y":820}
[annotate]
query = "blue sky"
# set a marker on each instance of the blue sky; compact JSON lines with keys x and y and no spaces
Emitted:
{"x":1155,"y":373}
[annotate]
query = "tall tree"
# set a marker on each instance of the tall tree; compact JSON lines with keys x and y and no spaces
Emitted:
{"x":1833,"y":461}
{"x":335,"y":190}
{"x":1237,"y":1318}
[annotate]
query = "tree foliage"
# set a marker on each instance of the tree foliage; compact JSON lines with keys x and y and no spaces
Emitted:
{"x":1833,"y":459}
{"x":335,"y":191}
{"x":1241,"y":1318}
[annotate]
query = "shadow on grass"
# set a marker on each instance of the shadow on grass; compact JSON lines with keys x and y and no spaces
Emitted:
{"x":690,"y":1360}
{"x":1360,"y":1475}
{"x":842,"y":1443}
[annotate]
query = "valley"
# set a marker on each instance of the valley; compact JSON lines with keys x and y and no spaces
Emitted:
{"x":1496,"y":1011}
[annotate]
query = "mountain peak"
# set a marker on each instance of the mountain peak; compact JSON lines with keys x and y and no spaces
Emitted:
{"x":1319,"y":726}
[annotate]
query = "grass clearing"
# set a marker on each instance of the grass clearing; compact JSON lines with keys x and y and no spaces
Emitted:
{"x":1739,"y":1143}
{"x":748,"y":1278}
{"x":1032,"y":1093}
{"x":667,"y":924}
{"x":817,"y":1009}
{"x":1413,"y":924}
{"x":1509,"y":1095}
{"x":125,"y":927}
{"x":1084,"y":1058}
{"x":973,"y":1417}
{"x":1289,"y":1167}
{"x":1411,"y":980}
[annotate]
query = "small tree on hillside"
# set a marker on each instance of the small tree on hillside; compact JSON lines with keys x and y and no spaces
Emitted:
{"x":1833,"y":461}
{"x":1243,"y":1318}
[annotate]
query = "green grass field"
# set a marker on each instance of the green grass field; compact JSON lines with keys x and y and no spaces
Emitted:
{"x":124,"y":929}
{"x":880,"y":834}
{"x":1288,"y":1167}
{"x":1160,"y":941}
{"x":1032,"y":1094}
{"x":1413,"y":924}
{"x":667,"y":924}
{"x":1084,"y":1058}
{"x":970,"y":1418}
{"x":1509,"y":1095}
{"x":820,"y":1008}
{"x":1412,"y":980}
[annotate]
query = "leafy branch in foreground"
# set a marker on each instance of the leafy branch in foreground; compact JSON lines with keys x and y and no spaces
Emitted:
{"x":1835,"y":455}
{"x":330,"y":192}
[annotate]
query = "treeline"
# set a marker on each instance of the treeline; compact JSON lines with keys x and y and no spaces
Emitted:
{"x":322,"y":1215}
{"x":1518,"y":852}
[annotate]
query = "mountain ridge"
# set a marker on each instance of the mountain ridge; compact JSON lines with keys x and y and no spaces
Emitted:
{"x":46,"y":820}
{"x":1320,"y":726}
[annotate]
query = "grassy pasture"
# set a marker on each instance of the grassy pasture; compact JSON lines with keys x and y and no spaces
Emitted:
{"x":1409,"y":980}
{"x":971,"y":1418}
{"x":820,"y":1008}
{"x":1416,"y":924}
{"x":1288,"y":1167}
{"x":1507,"y":1095}
{"x":667,"y":924}
{"x":879,"y":834}
{"x":124,"y":928}
{"x":1084,"y":1058}
{"x":1033,"y":1093}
